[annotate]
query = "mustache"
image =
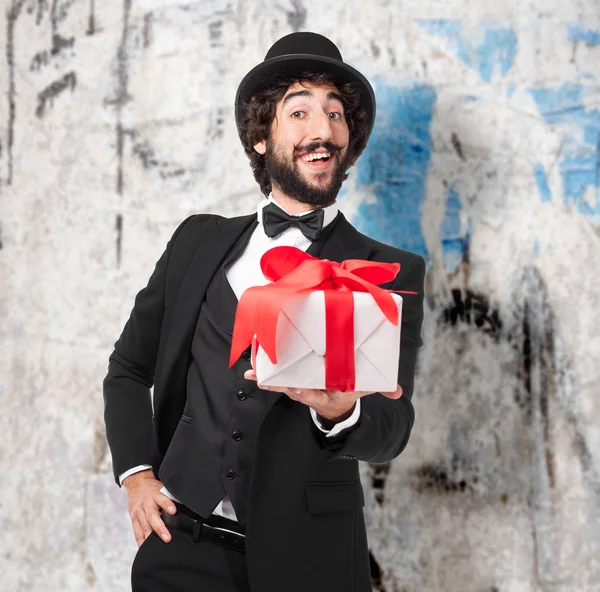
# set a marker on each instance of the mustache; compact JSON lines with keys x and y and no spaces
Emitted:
{"x":329,"y":146}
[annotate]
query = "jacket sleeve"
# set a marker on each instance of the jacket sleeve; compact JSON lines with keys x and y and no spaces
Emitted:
{"x":384,"y":427}
{"x":131,"y":367}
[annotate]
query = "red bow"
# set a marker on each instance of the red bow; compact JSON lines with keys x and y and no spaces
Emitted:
{"x":292,"y":271}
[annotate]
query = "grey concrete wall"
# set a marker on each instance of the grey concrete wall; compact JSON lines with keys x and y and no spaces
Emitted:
{"x":116,"y":122}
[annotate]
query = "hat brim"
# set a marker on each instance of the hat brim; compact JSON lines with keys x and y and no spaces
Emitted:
{"x":265,"y":73}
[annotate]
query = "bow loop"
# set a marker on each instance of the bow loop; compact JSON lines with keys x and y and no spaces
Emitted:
{"x":277,"y":265}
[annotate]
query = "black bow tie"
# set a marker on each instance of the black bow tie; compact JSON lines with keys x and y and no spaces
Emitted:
{"x":275,"y":221}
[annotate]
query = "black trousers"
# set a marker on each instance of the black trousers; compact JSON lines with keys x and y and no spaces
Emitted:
{"x":185,"y":566}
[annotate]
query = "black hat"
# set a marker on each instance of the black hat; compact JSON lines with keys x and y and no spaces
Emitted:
{"x":297,"y":53}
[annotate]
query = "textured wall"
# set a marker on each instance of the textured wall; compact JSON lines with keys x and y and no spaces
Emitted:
{"x":116,"y":122}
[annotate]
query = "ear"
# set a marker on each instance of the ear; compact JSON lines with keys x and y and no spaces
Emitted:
{"x":261,"y":147}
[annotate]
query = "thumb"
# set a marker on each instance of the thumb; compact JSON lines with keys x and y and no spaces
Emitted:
{"x":394,"y":394}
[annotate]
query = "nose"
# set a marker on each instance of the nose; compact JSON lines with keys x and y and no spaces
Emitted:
{"x":320,"y":126}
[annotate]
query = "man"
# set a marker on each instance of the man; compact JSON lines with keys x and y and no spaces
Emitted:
{"x":231,"y":486}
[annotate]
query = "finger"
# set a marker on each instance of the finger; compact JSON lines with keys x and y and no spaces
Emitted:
{"x":250,"y":375}
{"x":165,"y":503}
{"x":137,"y":531}
{"x":158,"y":526}
{"x":145,"y":525}
{"x":394,"y":395}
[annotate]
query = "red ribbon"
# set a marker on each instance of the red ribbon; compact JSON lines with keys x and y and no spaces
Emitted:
{"x":292,"y":272}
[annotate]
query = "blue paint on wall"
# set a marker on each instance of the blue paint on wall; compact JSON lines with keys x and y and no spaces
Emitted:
{"x":486,"y":48}
{"x":454,"y":244}
{"x":579,"y":160}
{"x":541,"y":179}
{"x":578,"y":33}
{"x":394,"y":166}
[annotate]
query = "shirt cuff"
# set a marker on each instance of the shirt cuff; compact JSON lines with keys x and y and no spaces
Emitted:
{"x":137,"y":469}
{"x":338,"y":427}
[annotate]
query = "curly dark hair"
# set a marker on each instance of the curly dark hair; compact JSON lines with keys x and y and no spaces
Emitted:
{"x":260,"y":112}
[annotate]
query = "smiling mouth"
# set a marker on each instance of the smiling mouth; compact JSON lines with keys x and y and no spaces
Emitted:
{"x":314,"y":156}
{"x":316,"y":161}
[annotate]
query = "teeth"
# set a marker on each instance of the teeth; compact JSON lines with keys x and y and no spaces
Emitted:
{"x":315,"y":156}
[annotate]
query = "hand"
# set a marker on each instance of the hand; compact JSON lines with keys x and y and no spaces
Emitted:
{"x":144,"y":501}
{"x":332,"y":406}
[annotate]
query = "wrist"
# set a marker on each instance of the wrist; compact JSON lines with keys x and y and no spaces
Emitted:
{"x":329,"y":420}
{"x":136,"y":477}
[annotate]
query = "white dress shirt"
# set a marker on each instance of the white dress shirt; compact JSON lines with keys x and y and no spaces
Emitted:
{"x":244,"y":273}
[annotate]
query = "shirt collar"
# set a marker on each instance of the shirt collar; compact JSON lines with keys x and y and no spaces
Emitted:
{"x":330,"y":211}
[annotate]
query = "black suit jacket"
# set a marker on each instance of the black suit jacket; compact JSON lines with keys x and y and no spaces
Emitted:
{"x":305,"y":528}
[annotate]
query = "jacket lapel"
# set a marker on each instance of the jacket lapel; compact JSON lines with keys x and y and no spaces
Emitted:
{"x":220,"y":237}
{"x":342,"y":242}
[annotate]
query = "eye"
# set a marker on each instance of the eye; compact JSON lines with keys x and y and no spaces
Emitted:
{"x":297,"y":114}
{"x":335,"y":115}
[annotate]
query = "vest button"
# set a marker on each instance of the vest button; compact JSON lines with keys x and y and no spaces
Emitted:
{"x":247,"y":354}
{"x":237,"y":436}
{"x":230,"y":475}
{"x":242,"y":395}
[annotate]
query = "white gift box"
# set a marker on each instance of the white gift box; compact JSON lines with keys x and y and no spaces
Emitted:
{"x":301,"y":345}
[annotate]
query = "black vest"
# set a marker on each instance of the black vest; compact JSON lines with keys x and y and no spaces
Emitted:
{"x":212,"y":450}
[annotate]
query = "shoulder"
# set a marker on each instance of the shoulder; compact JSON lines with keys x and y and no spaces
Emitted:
{"x":195,"y":226}
{"x":389,"y":254}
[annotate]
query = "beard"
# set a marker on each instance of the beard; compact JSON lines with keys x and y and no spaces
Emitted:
{"x":285,"y":174}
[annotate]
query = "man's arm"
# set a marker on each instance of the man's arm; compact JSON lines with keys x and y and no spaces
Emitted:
{"x":128,"y":407}
{"x":385,"y":423}
{"x":127,"y":401}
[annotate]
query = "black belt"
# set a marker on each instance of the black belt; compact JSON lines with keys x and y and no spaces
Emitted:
{"x":200,"y":529}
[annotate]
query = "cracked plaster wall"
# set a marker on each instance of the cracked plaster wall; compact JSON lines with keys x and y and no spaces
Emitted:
{"x":116,"y":123}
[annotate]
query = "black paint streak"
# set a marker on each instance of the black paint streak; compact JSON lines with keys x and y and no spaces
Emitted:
{"x":296,"y":18}
{"x":42,"y":58}
{"x":147,"y":30}
{"x":539,"y":366}
{"x":42,"y":7}
{"x":120,"y":142}
{"x":48,"y":95}
{"x":59,"y":43}
{"x":60,"y":15}
{"x":120,"y":100}
{"x":11,"y":19}
{"x":147,"y":157}
{"x":215,"y":30}
{"x":378,"y":478}
{"x":92,"y":19}
{"x":473,"y":309}
{"x":456,"y":144}
{"x":122,"y":93}
{"x":439,"y":478}
{"x":119,"y":229}
{"x":524,"y":401}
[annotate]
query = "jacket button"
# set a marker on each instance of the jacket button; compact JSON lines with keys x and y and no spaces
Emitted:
{"x":237,"y":436}
{"x":230,"y":474}
{"x":241,"y":395}
{"x":247,"y":354}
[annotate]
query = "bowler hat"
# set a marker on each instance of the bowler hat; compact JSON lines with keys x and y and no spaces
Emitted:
{"x":295,"y":54}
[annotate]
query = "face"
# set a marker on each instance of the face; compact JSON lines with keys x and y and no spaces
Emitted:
{"x":306,"y":155}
